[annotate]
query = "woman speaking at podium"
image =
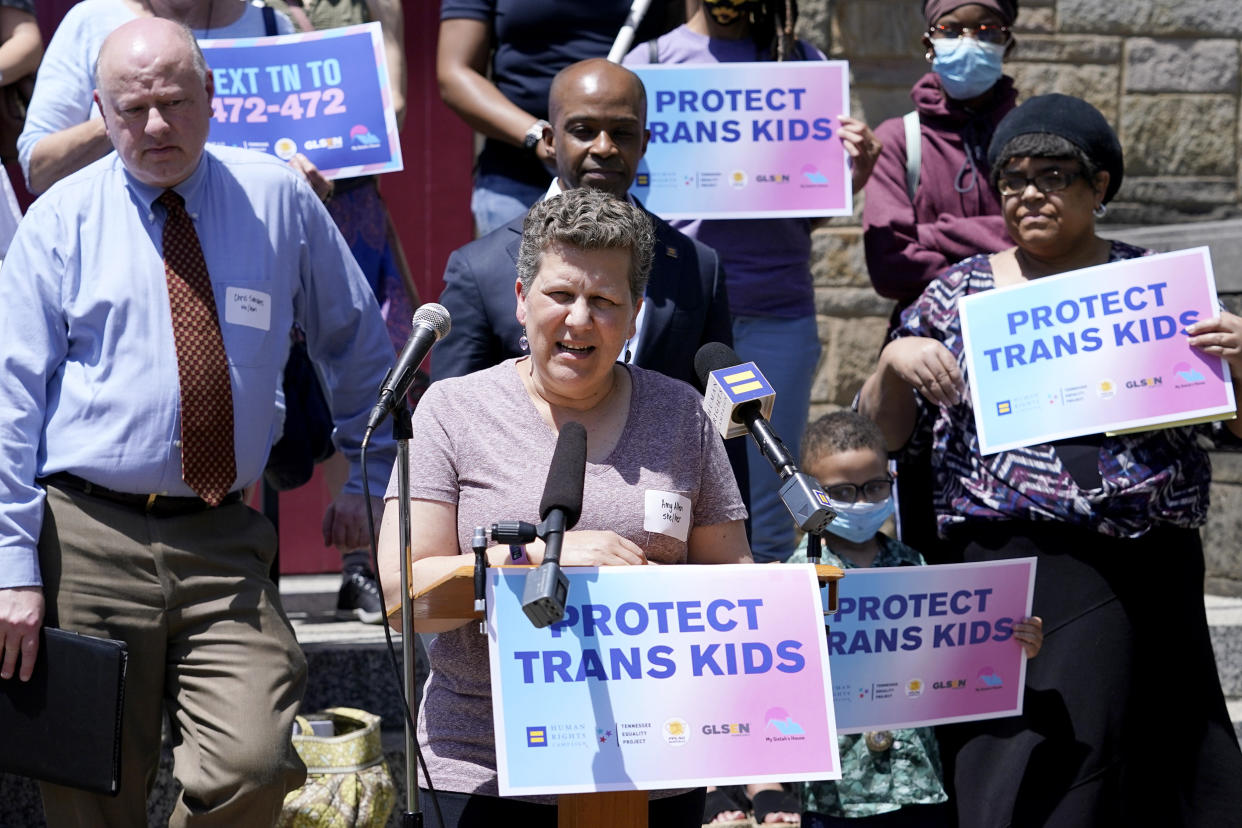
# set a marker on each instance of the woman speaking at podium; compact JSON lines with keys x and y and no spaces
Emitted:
{"x":480,"y":453}
{"x":1113,"y":521}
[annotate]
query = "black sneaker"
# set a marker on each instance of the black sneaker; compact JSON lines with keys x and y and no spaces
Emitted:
{"x":359,"y":598}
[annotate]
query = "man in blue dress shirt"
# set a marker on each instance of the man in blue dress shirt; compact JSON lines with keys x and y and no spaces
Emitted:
{"x":98,"y":529}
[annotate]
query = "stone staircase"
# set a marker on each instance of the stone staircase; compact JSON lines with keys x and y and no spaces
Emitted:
{"x":349,"y":666}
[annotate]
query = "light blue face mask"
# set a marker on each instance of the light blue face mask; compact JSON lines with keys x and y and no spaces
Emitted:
{"x":857,"y":522}
{"x":967,"y":67}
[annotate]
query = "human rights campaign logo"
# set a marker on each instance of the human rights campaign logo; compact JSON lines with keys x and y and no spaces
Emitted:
{"x":1003,"y":407}
{"x":743,"y":383}
{"x":537,"y":736}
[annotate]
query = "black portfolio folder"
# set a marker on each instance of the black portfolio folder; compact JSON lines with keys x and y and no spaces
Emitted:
{"x":64,"y":725}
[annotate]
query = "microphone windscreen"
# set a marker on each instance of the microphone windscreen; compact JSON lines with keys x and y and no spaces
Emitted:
{"x":435,"y":316}
{"x":566,"y":475}
{"x":712,"y":357}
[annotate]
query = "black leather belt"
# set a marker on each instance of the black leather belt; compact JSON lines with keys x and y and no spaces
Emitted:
{"x":159,"y":505}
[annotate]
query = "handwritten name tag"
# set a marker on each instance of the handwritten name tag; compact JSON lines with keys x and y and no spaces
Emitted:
{"x":249,"y":307}
{"x":667,"y":513}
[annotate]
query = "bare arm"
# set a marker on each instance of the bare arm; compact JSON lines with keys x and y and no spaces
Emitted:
{"x":461,"y":69}
{"x":720,"y":543}
{"x":908,"y":364}
{"x":64,"y":153}
{"x":392,"y":20}
{"x":1222,"y":336}
{"x":21,"y":45}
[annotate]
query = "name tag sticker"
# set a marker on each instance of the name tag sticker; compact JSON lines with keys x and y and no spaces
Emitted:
{"x":245,"y":306}
{"x":667,"y":513}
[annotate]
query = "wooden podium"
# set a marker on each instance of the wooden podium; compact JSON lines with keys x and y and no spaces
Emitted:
{"x":453,"y":597}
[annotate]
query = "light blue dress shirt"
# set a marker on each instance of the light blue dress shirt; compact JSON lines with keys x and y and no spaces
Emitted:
{"x":88,"y":378}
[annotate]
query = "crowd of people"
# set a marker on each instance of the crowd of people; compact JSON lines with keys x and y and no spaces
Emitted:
{"x":156,"y":288}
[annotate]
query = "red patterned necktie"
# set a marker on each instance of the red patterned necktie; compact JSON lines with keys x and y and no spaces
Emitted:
{"x":208,"y":464}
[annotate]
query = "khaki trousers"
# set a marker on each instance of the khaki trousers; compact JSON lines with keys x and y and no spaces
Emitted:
{"x":208,"y":642}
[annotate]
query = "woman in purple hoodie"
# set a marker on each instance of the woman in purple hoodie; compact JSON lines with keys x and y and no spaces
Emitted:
{"x":913,"y":229}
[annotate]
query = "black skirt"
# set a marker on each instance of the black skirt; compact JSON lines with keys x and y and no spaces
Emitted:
{"x":1124,"y":720}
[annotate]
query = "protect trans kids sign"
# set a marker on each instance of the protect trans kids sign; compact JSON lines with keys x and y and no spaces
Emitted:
{"x":662,"y":677}
{"x":922,"y":645}
{"x":324,"y":94}
{"x":745,"y":140}
{"x":1102,"y":349}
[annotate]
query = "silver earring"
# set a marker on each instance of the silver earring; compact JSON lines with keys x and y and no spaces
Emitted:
{"x":1100,"y":210}
{"x":523,"y":342}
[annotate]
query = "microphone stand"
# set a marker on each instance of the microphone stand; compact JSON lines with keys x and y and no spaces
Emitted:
{"x":403,"y":431}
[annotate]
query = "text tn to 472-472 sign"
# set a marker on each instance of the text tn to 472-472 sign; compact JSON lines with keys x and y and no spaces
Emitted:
{"x":323,"y":94}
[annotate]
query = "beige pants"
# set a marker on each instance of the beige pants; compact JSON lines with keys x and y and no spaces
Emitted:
{"x":208,"y":642}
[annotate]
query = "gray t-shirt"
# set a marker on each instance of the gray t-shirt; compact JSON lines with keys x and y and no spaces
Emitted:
{"x":480,"y":443}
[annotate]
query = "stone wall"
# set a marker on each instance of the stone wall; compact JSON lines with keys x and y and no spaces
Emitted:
{"x":1166,"y":75}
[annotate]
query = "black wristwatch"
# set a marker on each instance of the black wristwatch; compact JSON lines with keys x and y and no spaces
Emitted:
{"x":535,"y":134}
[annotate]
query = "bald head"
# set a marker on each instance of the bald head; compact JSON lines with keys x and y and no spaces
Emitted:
{"x":598,"y":111}
{"x":594,"y":78}
{"x":145,"y":34}
{"x":154,"y":90}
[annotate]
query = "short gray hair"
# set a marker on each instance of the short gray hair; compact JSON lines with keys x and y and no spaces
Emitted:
{"x":589,"y":220}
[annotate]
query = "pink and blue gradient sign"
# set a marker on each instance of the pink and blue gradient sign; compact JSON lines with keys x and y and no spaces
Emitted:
{"x":922,"y":645}
{"x":324,"y":94}
{"x":745,"y":140}
{"x":662,"y":677}
{"x":1102,"y":349}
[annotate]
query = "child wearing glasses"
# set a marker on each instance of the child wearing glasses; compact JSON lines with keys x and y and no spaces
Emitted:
{"x":890,"y":778}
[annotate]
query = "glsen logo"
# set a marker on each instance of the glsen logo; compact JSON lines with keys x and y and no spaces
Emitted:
{"x":727,"y":729}
{"x":1107,"y":389}
{"x":954,"y":684}
{"x":285,"y":148}
{"x":737,"y":179}
{"x":361,"y":138}
{"x":914,"y":688}
{"x":1187,"y":373}
{"x":1004,"y":407}
{"x":990,"y":679}
{"x":537,"y":736}
{"x":774,"y":178}
{"x":1145,"y":382}
{"x":335,"y":142}
{"x":676,"y":731}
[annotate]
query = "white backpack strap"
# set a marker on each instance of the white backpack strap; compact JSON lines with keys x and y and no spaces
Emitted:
{"x":914,"y":152}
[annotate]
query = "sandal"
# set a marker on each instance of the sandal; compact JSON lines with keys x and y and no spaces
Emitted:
{"x":776,"y":802}
{"x":718,"y":802}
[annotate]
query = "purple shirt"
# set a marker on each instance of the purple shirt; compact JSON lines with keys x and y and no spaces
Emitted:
{"x":767,"y":262}
{"x":480,"y":443}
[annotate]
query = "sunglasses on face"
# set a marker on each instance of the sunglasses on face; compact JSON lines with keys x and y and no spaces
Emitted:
{"x":873,"y":491}
{"x":984,"y":33}
{"x":1049,"y":181}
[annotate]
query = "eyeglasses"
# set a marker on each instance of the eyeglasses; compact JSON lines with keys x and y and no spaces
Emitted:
{"x":873,"y":491}
{"x":1049,"y":181}
{"x":985,"y":33}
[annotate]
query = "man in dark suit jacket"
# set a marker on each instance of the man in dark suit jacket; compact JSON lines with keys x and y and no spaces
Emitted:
{"x":598,"y":135}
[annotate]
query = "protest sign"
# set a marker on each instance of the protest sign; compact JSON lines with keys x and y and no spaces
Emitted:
{"x":1102,"y":349}
{"x":325,"y":94}
{"x":662,"y":677}
{"x":923,"y":645}
{"x":745,"y":140}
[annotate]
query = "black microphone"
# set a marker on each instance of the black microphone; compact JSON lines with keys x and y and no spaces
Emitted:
{"x":736,"y":392}
{"x":546,"y":589}
{"x":431,"y":324}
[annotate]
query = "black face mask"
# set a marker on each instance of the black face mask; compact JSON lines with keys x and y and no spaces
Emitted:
{"x":728,"y":12}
